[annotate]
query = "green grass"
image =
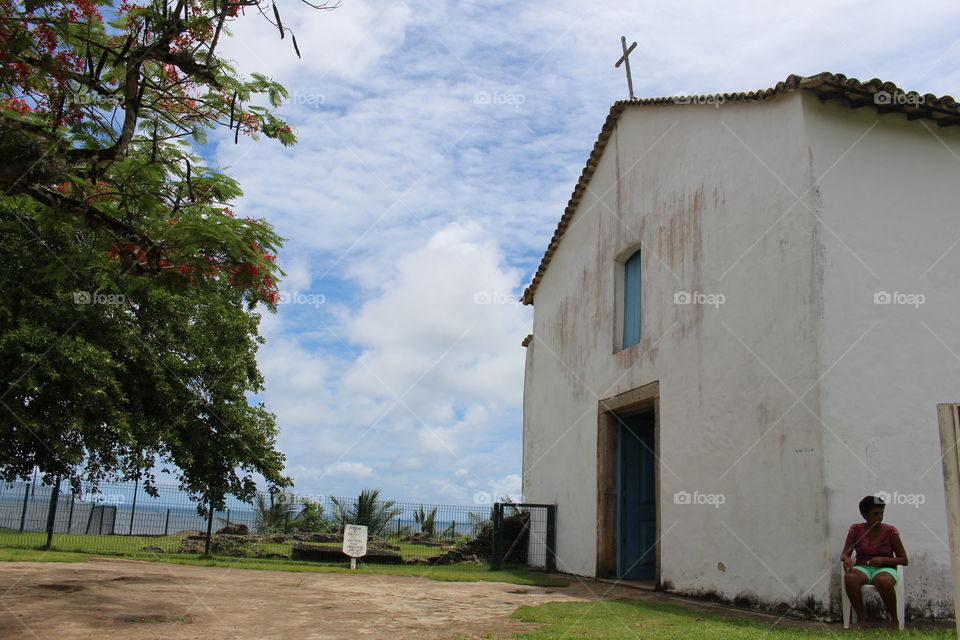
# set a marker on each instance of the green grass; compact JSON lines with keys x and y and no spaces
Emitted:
{"x":124,"y":545}
{"x":449,"y":573}
{"x":627,"y":619}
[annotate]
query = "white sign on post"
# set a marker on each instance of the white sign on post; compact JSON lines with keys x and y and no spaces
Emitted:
{"x":354,"y":542}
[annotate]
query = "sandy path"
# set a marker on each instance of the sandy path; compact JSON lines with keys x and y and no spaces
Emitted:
{"x":108,"y":599}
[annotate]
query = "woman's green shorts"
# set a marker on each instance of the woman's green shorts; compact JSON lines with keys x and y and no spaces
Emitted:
{"x":871,"y":572}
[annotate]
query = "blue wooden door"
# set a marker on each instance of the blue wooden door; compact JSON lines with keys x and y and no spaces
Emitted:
{"x":636,"y":498}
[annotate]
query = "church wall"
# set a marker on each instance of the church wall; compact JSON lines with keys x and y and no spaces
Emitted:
{"x":708,"y":192}
{"x":887,"y":195}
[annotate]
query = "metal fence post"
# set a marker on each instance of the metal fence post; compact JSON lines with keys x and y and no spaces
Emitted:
{"x":52,"y":513}
{"x":551,"y":559}
{"x":497,"y":542}
{"x":73,"y":499}
{"x":26,"y":500}
{"x":93,"y":507}
{"x":206,"y":545}
{"x":166,"y":523}
{"x":133,"y":508}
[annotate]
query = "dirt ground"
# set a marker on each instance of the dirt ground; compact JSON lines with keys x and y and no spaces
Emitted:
{"x":114,"y":599}
{"x":107,"y":599}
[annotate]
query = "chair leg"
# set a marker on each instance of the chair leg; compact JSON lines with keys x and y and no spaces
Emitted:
{"x":845,"y":604}
{"x":901,"y":606}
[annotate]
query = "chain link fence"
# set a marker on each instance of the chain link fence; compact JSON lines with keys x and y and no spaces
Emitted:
{"x":121,"y":519}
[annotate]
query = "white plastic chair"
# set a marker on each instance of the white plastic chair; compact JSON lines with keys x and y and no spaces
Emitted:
{"x":898,"y":589}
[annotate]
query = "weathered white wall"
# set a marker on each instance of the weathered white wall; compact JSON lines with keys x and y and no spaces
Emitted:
{"x":719,"y":199}
{"x":887,"y":194}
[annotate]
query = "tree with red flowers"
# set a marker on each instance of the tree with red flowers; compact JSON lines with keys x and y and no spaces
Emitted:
{"x":99,"y":106}
{"x":103,"y":106}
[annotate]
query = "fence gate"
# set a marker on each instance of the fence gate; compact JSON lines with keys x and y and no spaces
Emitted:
{"x":525,"y":534}
{"x":102,"y":520}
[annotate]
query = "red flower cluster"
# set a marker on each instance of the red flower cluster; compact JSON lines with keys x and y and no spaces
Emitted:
{"x":16,"y":104}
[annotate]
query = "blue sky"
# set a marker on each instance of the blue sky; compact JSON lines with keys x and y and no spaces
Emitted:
{"x":439,"y":144}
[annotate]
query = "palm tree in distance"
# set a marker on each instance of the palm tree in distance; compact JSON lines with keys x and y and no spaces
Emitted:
{"x":427,"y":521}
{"x":273,"y":516}
{"x":368,"y":510}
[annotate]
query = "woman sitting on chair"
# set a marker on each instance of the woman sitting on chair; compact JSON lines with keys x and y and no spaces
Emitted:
{"x":879,"y":552}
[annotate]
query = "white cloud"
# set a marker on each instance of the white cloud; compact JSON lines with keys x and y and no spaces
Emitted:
{"x":355,"y":470}
{"x":407,"y":196}
{"x":344,"y":42}
{"x":425,"y":379}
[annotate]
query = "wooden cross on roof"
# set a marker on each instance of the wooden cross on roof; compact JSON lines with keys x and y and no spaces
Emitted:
{"x":625,"y":60}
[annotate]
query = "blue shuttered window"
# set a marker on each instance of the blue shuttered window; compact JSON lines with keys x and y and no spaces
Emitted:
{"x":631,"y":301}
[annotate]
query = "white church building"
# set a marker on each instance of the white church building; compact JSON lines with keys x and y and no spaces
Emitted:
{"x":742,"y":325}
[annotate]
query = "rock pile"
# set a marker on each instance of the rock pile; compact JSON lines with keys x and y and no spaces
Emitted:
{"x":238,"y":529}
{"x":475,"y":550}
{"x":335,"y":554}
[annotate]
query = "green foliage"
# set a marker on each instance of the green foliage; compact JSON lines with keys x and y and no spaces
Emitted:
{"x":100,"y":110}
{"x":127,"y":332}
{"x":310,"y":519}
{"x":478,"y":521}
{"x":450,"y":532}
{"x":367,"y":510}
{"x":427,"y":521}
{"x":273,"y":514}
{"x":104,"y":379}
{"x":282,"y":513}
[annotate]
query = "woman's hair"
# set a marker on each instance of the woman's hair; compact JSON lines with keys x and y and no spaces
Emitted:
{"x":869,"y":503}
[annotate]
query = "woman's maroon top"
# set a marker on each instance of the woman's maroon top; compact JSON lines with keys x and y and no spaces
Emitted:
{"x":881,"y":547}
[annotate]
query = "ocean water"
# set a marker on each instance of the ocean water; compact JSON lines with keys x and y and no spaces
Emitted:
{"x":172,"y":512}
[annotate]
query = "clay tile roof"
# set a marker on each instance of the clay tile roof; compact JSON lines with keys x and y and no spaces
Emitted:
{"x":885,"y":97}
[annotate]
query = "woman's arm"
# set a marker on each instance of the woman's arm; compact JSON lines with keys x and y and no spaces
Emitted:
{"x":846,"y":557}
{"x":900,"y":555}
{"x":898,"y":550}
